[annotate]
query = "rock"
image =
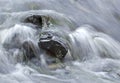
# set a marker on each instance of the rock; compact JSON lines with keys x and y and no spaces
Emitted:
{"x":29,"y":49}
{"x":56,"y":66}
{"x":54,"y":45}
{"x":35,"y":20}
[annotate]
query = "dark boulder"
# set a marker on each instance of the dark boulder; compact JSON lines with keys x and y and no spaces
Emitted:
{"x":53,"y":45}
{"x":35,"y":20}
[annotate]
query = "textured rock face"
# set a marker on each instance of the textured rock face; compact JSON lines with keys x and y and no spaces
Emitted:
{"x":55,"y":46}
{"x":34,"y":19}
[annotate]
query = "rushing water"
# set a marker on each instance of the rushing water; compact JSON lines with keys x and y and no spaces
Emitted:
{"x":90,"y":28}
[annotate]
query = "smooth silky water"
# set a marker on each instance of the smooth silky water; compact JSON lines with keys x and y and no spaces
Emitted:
{"x":91,"y":29}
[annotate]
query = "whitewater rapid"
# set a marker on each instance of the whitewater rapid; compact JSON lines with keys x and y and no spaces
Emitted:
{"x":90,"y":28}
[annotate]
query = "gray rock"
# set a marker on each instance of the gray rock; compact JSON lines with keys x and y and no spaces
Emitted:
{"x":53,"y":45}
{"x":35,"y":20}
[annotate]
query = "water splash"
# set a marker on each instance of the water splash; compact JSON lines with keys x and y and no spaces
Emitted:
{"x":88,"y":43}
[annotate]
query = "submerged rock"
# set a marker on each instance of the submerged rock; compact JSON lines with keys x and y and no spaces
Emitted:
{"x":55,"y":46}
{"x":29,"y":49}
{"x":35,"y":20}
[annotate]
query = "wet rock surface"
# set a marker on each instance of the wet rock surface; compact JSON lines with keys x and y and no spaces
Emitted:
{"x":54,"y":45}
{"x":35,"y":20}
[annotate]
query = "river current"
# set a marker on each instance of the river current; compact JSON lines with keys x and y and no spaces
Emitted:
{"x":91,"y":29}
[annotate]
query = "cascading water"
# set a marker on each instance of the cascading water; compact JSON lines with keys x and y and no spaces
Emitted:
{"x":89,"y":29}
